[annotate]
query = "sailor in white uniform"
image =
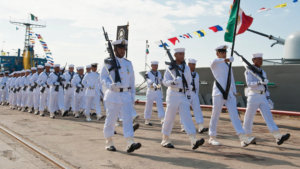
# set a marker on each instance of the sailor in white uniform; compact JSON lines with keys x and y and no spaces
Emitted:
{"x":259,"y":98}
{"x":1,"y":77}
{"x":21,"y":92}
{"x":92,"y":94}
{"x":78,"y":91}
{"x":55,"y":81}
{"x":119,"y":97}
{"x":13,"y":90}
{"x":36,"y":89}
{"x":4,"y":88}
{"x":69,"y":89}
{"x":154,"y":93}
{"x":220,"y":68}
{"x":32,"y":85}
{"x":178,"y":95}
{"x":195,"y":103}
{"x":44,"y":89}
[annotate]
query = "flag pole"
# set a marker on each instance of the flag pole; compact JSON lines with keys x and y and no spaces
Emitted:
{"x":232,"y":50}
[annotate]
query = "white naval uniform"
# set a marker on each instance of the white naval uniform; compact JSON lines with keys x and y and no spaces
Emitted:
{"x":36,"y":91}
{"x":12,"y":85}
{"x":177,"y":101}
{"x":56,"y":97}
{"x":220,"y":69}
{"x":4,"y":88}
{"x":44,"y":95}
{"x":78,"y":96}
{"x":29,"y":94}
{"x":117,"y":102}
{"x":195,"y":103}
{"x":256,"y":101}
{"x":92,"y":94}
{"x":154,"y":95}
{"x":68,"y":93}
{"x":20,"y":85}
{"x":1,"y":89}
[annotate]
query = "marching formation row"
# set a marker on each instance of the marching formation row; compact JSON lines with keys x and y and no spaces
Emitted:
{"x":51,"y":89}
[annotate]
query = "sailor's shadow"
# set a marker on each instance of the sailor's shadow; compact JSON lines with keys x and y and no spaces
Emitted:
{"x":181,"y":161}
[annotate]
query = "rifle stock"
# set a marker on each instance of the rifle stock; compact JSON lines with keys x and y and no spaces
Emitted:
{"x":172,"y":62}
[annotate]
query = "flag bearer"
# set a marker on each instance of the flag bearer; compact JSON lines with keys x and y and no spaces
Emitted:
{"x":119,"y":98}
{"x":178,"y":95}
{"x":154,"y":93}
{"x":220,"y":68}
{"x":195,"y":103}
{"x":259,"y":98}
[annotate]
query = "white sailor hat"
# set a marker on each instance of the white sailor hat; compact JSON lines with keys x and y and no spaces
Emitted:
{"x":123,"y":42}
{"x":88,"y":66}
{"x":33,"y":68}
{"x":193,"y":61}
{"x":1,"y":73}
{"x":221,"y":47}
{"x":154,"y":62}
{"x":51,"y":70}
{"x":56,"y":65}
{"x":71,"y":66}
{"x":28,"y":70}
{"x":257,"y":55}
{"x":6,"y":72}
{"x":47,"y":64}
{"x":79,"y":67}
{"x":94,"y":64}
{"x":179,"y":50}
{"x":40,"y":67}
{"x":61,"y":68}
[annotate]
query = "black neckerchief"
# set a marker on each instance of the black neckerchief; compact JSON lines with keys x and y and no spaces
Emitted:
{"x":155,"y":75}
{"x":71,"y":74}
{"x":193,"y":81}
{"x":184,"y":82}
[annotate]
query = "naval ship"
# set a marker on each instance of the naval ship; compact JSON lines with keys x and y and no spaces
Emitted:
{"x":283,"y":74}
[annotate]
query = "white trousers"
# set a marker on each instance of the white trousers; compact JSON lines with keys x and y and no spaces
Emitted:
{"x":91,"y":102}
{"x":178,"y":102}
{"x":4,"y":96}
{"x":30,"y":100}
{"x":25,"y":97}
{"x":151,"y":97}
{"x":254,"y":102}
{"x":218,"y":103}
{"x":44,"y":99}
{"x":68,"y":98}
{"x":78,"y":101}
{"x":36,"y":98}
{"x":19,"y":98}
{"x":195,"y":103}
{"x":112,"y":112}
{"x":56,"y":100}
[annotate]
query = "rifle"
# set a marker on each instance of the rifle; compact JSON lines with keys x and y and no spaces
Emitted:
{"x":33,"y":87}
{"x":24,"y":88}
{"x":78,"y":88}
{"x":172,"y":64}
{"x":59,"y":79}
{"x":112,"y":59}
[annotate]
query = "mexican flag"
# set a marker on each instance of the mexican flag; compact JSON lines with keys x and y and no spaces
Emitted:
{"x":243,"y":22}
{"x":33,"y":18}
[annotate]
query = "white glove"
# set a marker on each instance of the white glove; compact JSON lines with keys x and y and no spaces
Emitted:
{"x":113,"y":86}
{"x":231,"y":59}
{"x":177,"y":80}
{"x":79,"y":85}
{"x":154,"y":85}
{"x":56,"y":83}
{"x":271,"y":104}
{"x":265,"y":82}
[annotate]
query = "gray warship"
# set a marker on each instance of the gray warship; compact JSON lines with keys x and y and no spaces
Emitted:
{"x":283,"y":74}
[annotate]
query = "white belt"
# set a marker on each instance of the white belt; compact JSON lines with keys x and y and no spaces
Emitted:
{"x":176,"y":89}
{"x":122,"y":89}
{"x":257,"y":91}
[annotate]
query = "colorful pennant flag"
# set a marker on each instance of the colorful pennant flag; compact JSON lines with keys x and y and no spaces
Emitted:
{"x":280,"y":5}
{"x":33,"y":18}
{"x":263,"y":9}
{"x":295,"y":1}
{"x":200,"y":33}
{"x":216,"y":28}
{"x":174,"y":40}
{"x":164,"y":44}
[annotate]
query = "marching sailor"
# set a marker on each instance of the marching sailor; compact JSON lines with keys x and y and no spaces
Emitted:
{"x":259,"y":98}
{"x":154,"y":93}
{"x":55,"y":81}
{"x":195,"y":103}
{"x":32,"y":85}
{"x":119,"y":97}
{"x":92,"y":94}
{"x":36,"y":89}
{"x":178,"y":94}
{"x":1,"y":77}
{"x":44,"y":89}
{"x":79,"y":91}
{"x":69,"y":90}
{"x":220,"y":68}
{"x":4,"y":88}
{"x":20,"y":90}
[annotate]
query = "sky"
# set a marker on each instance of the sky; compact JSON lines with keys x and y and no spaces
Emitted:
{"x":74,"y":28}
